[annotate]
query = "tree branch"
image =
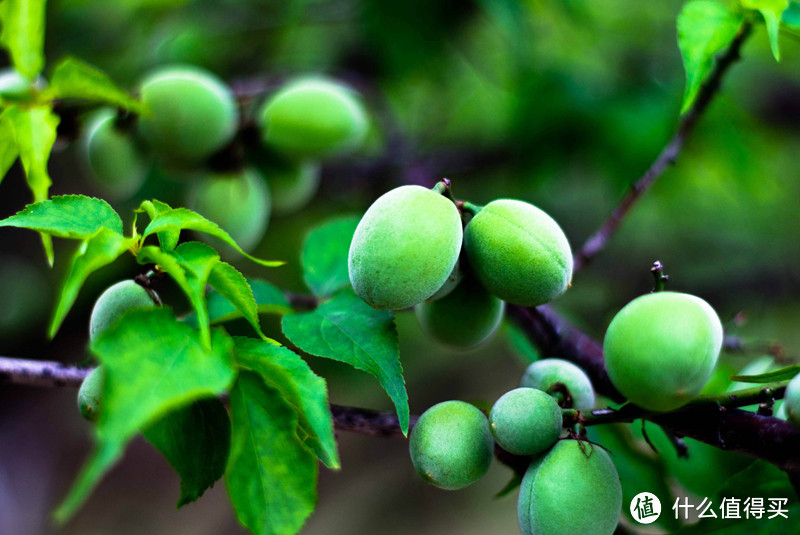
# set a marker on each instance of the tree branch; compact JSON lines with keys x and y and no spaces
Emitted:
{"x":598,"y":241}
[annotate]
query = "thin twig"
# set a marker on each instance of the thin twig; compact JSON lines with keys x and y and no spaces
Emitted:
{"x":598,"y":241}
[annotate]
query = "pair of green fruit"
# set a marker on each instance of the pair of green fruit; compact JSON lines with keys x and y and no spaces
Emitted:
{"x":191,"y":115}
{"x":405,"y":253}
{"x":110,"y":306}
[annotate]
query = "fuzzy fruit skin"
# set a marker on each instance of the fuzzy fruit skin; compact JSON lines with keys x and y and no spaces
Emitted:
{"x":451,"y":445}
{"x":90,"y":394}
{"x":193,"y":114}
{"x":112,"y":155}
{"x":404,"y":247}
{"x":525,"y":421}
{"x":661,"y":349}
{"x":239,"y":202}
{"x":566,"y":493}
{"x":791,"y":401}
{"x":544,"y":374}
{"x":464,"y":318}
{"x":114,"y":302}
{"x":519,"y":252}
{"x":313,"y":118}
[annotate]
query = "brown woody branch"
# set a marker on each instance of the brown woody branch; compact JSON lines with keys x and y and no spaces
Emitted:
{"x":598,"y":241}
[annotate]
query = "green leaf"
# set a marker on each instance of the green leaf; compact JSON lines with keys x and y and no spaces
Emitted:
{"x":705,"y":28}
{"x":232,"y":285}
{"x":269,"y":300}
{"x":168,"y":238}
{"x":306,"y":392}
{"x":8,"y":146}
{"x":67,"y":216}
{"x":35,"y":133}
{"x":196,"y":440}
{"x":189,"y":266}
{"x":73,"y":78}
{"x":154,"y":364}
{"x":349,"y":330}
{"x":324,"y":256}
{"x":771,"y":10}
{"x":23,"y":23}
{"x":777,"y":375}
{"x":178,"y":219}
{"x":271,"y":477}
{"x":98,"y":251}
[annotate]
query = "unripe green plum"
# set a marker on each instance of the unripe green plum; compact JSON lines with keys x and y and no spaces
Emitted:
{"x":450,"y":284}
{"x":404,"y":247}
{"x":463,"y":319}
{"x":239,"y":202}
{"x":526,"y":421}
{"x":451,"y":445}
{"x":519,"y":252}
{"x":313,"y":118}
{"x":791,"y":401}
{"x":661,"y":349}
{"x":91,"y":393}
{"x":114,"y":302}
{"x":559,"y":375}
{"x":192,"y":114}
{"x":112,"y":155}
{"x":572,"y":490}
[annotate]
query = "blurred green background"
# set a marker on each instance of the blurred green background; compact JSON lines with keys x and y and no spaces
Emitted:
{"x":559,"y":103}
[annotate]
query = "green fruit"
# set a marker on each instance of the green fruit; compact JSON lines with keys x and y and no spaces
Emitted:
{"x":112,"y":155}
{"x":404,"y":247}
{"x":518,"y":252}
{"x":451,"y":445}
{"x":114,"y":302}
{"x":791,"y":401}
{"x":526,"y":421}
{"x":292,"y":186}
{"x":572,"y":490}
{"x":463,"y":319}
{"x":661,"y":349}
{"x":192,"y":114}
{"x":561,"y":378}
{"x":313,"y":118}
{"x":91,"y":393}
{"x":239,"y":202}
{"x":450,"y":284}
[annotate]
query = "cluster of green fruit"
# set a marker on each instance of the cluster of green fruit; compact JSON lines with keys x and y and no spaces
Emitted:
{"x":192,"y":119}
{"x":571,"y":486}
{"x":407,"y":252}
{"x":110,"y":306}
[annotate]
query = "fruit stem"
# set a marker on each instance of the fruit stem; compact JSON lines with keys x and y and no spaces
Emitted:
{"x":444,"y":187}
{"x":660,"y":279}
{"x":468,"y":207}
